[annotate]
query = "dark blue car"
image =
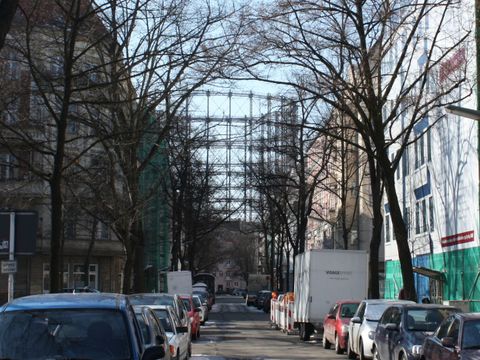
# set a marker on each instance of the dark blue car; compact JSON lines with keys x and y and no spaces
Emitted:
{"x":73,"y":326}
{"x":403,"y":327}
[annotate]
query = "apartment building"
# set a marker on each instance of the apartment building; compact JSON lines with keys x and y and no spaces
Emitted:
{"x":32,"y":80}
{"x":437,"y":180}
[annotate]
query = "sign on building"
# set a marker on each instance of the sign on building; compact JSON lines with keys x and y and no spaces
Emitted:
{"x":26,"y":223}
{"x":9,"y":267}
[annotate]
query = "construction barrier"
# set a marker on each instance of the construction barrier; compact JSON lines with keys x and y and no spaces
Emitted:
{"x":287,"y":318}
{"x":273,"y":312}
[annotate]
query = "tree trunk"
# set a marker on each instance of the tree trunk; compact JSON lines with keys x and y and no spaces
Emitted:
{"x":139,"y":260}
{"x":7,"y":13}
{"x":400,"y":234}
{"x":377,"y":224}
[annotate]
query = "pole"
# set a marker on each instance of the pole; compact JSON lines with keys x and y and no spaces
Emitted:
{"x":11,"y":255}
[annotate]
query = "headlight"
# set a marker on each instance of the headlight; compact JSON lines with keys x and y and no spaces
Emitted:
{"x":417,"y":350}
{"x":371,"y":335}
{"x":344,"y":329}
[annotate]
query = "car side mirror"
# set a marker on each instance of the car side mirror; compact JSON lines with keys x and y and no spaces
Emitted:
{"x":153,"y":353}
{"x":448,"y":342}
{"x":356,"y":320}
{"x":182,"y":329}
{"x":391,"y":327}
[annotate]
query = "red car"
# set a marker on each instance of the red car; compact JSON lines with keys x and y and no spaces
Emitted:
{"x":335,"y":324}
{"x":193,"y":314}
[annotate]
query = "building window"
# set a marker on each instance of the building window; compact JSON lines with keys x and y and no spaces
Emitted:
{"x":419,"y":152}
{"x":72,"y":124}
{"x":46,"y":277}
{"x":11,"y":112}
{"x":8,"y":167}
{"x":220,"y":273}
{"x":387,"y":228}
{"x":38,"y":110}
{"x":431,"y":210}
{"x":421,"y":216}
{"x":12,"y":68}
{"x":70,"y":229}
{"x":79,"y":274}
{"x":102,"y":231}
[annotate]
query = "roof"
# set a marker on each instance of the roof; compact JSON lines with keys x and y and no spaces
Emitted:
{"x":468,"y":316}
{"x":68,"y":301}
{"x":387,"y":301}
{"x":434,"y":274}
{"x":424,"y":306}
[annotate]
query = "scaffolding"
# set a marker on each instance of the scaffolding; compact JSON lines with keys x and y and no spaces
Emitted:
{"x":242,"y":131}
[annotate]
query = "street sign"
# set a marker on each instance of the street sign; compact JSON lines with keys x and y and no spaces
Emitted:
{"x":9,"y":267}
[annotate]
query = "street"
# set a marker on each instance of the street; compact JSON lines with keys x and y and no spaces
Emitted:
{"x":235,"y":331}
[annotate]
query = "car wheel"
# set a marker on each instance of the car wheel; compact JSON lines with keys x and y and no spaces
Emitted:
{"x":376,"y":355}
{"x":198,"y":334}
{"x":189,"y":350}
{"x":338,"y":349}
{"x":326,"y":343}
{"x":361,"y":354}
{"x":403,"y":356}
{"x":350,"y":353}
{"x":178,"y":355}
{"x":304,"y":333}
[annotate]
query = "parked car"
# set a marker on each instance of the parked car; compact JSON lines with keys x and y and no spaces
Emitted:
{"x":163,"y":299}
{"x":239,"y":292}
{"x":363,"y":323}
{"x":262,"y":296}
{"x":457,"y":337}
{"x":151,"y":330}
{"x":335,"y":324}
{"x":403,"y":327}
{"x":193,"y":314}
{"x":203,"y":292}
{"x":73,"y":326}
{"x":180,"y":346}
{"x":251,"y":298}
{"x":197,"y":301}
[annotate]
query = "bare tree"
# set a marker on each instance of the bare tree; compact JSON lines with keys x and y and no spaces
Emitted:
{"x":379,"y":63}
{"x":289,"y":186}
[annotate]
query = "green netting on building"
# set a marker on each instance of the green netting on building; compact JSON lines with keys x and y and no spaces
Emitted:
{"x":461,"y":269}
{"x":155,"y":217}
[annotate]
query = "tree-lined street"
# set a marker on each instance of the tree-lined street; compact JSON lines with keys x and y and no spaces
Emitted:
{"x":236,"y":331}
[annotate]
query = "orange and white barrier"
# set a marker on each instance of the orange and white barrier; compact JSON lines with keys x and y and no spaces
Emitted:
{"x":287,"y":317}
{"x":273,"y":312}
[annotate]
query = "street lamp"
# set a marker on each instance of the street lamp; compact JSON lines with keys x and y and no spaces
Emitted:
{"x":463,"y":112}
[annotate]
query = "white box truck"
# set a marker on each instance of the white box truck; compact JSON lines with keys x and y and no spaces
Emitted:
{"x":179,"y":282}
{"x":321,"y":278}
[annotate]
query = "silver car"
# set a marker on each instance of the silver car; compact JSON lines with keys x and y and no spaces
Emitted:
{"x":363,"y":324}
{"x":178,"y":338}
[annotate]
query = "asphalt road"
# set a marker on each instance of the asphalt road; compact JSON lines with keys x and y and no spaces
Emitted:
{"x":235,"y":331}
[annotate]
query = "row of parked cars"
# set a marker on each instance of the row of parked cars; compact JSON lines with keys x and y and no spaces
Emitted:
{"x":260,"y":299}
{"x":101,"y":326}
{"x":401,"y":330}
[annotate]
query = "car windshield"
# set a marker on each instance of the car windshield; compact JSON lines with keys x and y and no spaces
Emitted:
{"x":471,"y":335}
{"x":152,"y":300}
{"x":187,"y":304}
{"x":197,"y":302}
{"x":162,"y":314}
{"x":348,"y":310}
{"x":64,"y":334}
{"x":374,"y":311}
{"x":426,"y":319}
